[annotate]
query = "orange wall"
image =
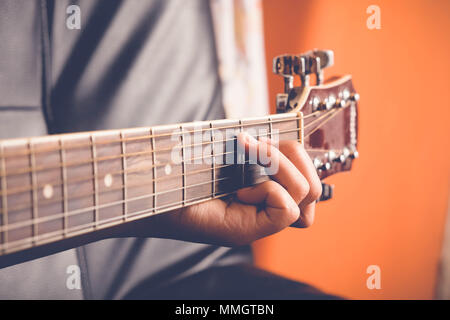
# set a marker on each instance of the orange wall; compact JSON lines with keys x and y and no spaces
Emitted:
{"x":390,"y":210}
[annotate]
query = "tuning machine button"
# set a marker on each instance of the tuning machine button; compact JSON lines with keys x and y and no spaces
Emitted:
{"x":317,"y":163}
{"x":330,"y":155}
{"x":283,"y":66}
{"x":327,"y":192}
{"x":341,"y":158}
{"x":354,"y":154}
{"x":340,"y":103}
{"x":345,"y":95}
{"x":326,"y":166}
{"x":319,"y":60}
{"x":316,"y":104}
{"x":354,"y":97}
{"x":311,"y":62}
{"x":329,"y":103}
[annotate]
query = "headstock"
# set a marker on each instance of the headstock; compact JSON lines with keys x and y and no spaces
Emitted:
{"x":329,"y":109}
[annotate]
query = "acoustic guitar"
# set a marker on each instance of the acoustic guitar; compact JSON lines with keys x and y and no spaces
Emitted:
{"x":62,"y":191}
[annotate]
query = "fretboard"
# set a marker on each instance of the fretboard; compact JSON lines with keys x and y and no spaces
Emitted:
{"x":60,"y":186}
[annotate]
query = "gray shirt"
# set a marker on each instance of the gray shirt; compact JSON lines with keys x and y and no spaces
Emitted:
{"x":132,"y":63}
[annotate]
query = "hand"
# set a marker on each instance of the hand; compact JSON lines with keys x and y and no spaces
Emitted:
{"x":256,"y":212}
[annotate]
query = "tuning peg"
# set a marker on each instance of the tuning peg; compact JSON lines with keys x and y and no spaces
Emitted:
{"x":303,"y":65}
{"x":327,"y":192}
{"x":326,"y":166}
{"x":340,"y":158}
{"x":340,"y":103}
{"x":345,"y":95}
{"x":326,"y":57}
{"x":354,"y":97}
{"x":354,"y":154}
{"x":328,"y":104}
{"x":319,"y":60}
{"x":317,"y":163}
{"x":283,"y":66}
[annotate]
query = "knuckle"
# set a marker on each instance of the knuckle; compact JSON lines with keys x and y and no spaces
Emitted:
{"x":291,"y":146}
{"x":315,"y":190}
{"x":308,"y":221}
{"x":301,"y":191}
{"x":272,"y":186}
{"x":292,"y":213}
{"x":307,"y":215}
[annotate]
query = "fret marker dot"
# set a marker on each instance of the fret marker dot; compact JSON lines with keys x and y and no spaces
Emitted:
{"x":108,"y":180}
{"x":168,"y":169}
{"x":47,"y":191}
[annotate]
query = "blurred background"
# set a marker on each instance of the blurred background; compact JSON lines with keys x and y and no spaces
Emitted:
{"x":390,"y":210}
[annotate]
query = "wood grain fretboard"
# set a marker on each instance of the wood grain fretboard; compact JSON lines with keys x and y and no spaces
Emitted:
{"x":60,"y":186}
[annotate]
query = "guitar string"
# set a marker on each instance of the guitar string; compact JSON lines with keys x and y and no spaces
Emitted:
{"x":59,"y":235}
{"x":107,"y":158}
{"x":119,"y":173}
{"x":43,"y":202}
{"x":97,"y":207}
{"x":72,"y":213}
{"x":90,"y":178}
{"x":132,"y":154}
{"x":46,"y":202}
{"x":325,"y":121}
{"x":121,"y":217}
{"x":110,"y":189}
{"x":158,"y":165}
{"x":88,"y":209}
{"x":145,"y":137}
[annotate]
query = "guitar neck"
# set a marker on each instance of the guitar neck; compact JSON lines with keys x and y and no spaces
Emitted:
{"x":60,"y":186}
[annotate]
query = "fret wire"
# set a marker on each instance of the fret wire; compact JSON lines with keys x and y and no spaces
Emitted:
{"x":108,"y":223}
{"x":153,"y":142}
{"x":106,"y":158}
{"x":243,"y":155}
{"x":95,"y":169}
{"x":213,"y":163}
{"x":183,"y":168}
{"x":124,"y":177}
{"x":90,"y":194}
{"x":87,"y":209}
{"x":64,"y":186}
{"x":83,"y":145}
{"x":102,"y":206}
{"x":300,"y":127}
{"x":270,"y":128}
{"x":122,"y":186}
{"x":4,"y":196}
{"x":18,"y":190}
{"x":154,"y":165}
{"x":34,"y":194}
